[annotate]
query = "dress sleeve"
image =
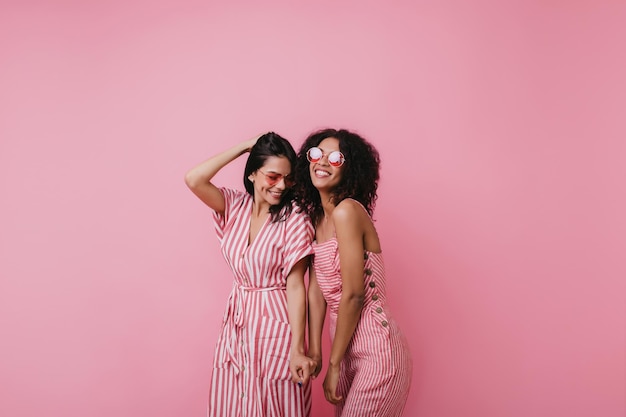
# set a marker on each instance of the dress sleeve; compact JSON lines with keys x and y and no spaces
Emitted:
{"x":298,"y":239}
{"x":233,"y":201}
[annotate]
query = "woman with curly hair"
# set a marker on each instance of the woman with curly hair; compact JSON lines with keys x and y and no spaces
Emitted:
{"x":369,"y":368}
{"x":260,"y":368}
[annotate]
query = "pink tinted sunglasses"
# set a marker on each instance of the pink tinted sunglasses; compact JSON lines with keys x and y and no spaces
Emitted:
{"x":335,"y":158}
{"x":274,"y":178}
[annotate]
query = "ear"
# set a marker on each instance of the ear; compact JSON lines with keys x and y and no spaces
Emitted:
{"x":251,"y":178}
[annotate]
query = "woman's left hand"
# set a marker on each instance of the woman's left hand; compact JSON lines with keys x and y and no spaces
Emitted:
{"x":330,"y":385}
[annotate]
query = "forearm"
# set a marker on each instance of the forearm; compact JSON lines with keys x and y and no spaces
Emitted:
{"x":348,"y":316}
{"x":296,"y":310}
{"x":317,"y":314}
{"x":205,"y":171}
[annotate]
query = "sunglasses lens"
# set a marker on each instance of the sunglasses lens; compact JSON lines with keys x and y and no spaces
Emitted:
{"x":314,"y":154}
{"x":335,"y":159}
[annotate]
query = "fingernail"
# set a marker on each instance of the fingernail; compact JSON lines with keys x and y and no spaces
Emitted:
{"x":300,"y":384}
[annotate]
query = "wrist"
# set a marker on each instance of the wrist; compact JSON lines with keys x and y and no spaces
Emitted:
{"x":297,"y":350}
{"x":245,"y":148}
{"x":313,"y":354}
{"x":333,"y":364}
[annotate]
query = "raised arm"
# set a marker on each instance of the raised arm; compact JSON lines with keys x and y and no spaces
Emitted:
{"x":348,"y":218}
{"x":198,"y":179}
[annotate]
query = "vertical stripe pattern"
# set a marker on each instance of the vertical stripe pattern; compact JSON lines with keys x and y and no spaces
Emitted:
{"x":376,"y":370}
{"x":251,"y":364}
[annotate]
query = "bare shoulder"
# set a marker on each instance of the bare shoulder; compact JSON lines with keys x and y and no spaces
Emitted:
{"x":351,"y":212}
{"x":345,"y":209}
{"x":351,"y":218}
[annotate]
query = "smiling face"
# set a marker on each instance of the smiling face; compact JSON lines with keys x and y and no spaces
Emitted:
{"x":269,"y":180}
{"x":325,"y":176}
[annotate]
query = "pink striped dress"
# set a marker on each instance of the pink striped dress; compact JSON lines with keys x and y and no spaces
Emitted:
{"x":376,"y":370}
{"x":251,"y":365}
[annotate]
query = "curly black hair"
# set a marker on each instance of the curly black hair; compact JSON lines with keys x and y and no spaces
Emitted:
{"x":271,"y":144}
{"x":359,"y":179}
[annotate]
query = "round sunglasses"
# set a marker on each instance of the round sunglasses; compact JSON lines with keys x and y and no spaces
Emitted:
{"x":335,"y":158}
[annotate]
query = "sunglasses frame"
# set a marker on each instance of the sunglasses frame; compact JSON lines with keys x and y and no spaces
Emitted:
{"x":335,"y":164}
{"x":287,"y":179}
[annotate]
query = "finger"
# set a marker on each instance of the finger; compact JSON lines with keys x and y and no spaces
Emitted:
{"x":305,"y":373}
{"x":295,"y":374}
{"x":332,"y":398}
{"x":337,"y":399}
{"x":327,"y":395}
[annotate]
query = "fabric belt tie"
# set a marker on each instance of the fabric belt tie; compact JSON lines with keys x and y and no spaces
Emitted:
{"x":234,"y":320}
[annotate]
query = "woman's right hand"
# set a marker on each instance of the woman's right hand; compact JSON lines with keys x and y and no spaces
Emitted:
{"x":251,"y":142}
{"x":199,"y":178}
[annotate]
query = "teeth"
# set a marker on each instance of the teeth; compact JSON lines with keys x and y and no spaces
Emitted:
{"x":321,"y":173}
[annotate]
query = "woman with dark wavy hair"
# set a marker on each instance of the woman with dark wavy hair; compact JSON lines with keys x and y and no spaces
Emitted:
{"x":260,"y":367}
{"x":369,"y":368}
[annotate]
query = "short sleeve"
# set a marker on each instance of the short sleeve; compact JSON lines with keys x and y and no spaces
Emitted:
{"x":233,"y":203}
{"x":298,"y":240}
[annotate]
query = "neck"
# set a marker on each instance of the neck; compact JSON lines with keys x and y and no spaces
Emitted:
{"x":260,"y":209}
{"x":327,"y":205}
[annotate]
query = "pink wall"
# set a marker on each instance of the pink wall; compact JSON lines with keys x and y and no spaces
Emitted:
{"x":501,"y":206}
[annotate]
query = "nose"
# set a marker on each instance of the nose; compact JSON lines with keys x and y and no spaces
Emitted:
{"x":324,"y":159}
{"x":281,"y":184}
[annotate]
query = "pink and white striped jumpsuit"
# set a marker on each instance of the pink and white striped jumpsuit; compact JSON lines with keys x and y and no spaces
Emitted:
{"x":375,"y":375}
{"x":251,"y":365}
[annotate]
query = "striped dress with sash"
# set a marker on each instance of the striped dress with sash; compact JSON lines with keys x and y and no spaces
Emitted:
{"x":251,"y":365}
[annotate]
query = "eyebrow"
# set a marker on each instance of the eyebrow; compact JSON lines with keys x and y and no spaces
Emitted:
{"x":279,"y":173}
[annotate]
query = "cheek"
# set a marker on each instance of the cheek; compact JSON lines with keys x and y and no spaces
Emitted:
{"x":258,"y":185}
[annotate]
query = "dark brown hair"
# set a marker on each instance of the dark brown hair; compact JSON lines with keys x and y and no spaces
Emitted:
{"x":359,"y":179}
{"x":271,"y":144}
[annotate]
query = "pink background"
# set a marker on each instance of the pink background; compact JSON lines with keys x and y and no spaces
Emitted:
{"x":501,"y":211}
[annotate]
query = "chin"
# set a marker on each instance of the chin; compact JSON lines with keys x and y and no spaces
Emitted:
{"x":321,"y":182}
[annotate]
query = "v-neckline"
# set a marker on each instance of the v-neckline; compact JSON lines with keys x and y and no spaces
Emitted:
{"x":261,"y":228}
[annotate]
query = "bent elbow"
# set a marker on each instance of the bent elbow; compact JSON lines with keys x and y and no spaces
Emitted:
{"x":191,"y":180}
{"x":357,"y":300}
